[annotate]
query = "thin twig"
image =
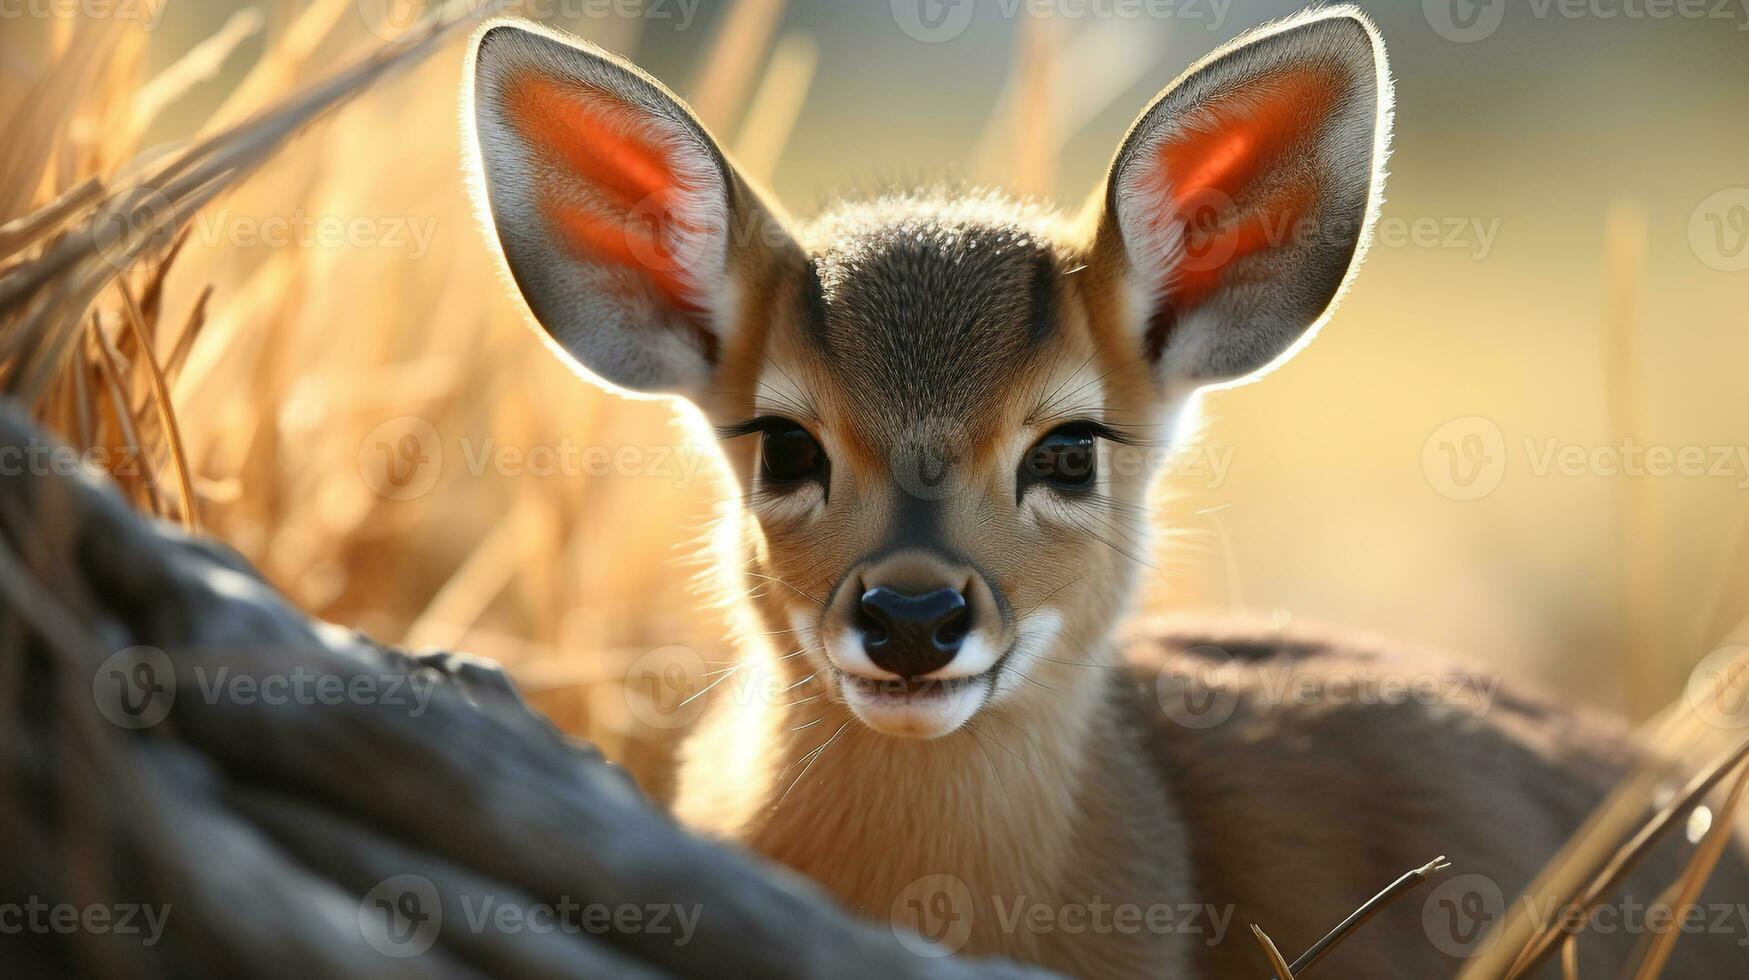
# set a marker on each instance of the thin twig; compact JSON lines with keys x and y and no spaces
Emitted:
{"x":1577,"y":912}
{"x":1276,"y":963}
{"x":1695,"y":876}
{"x":1362,"y":915}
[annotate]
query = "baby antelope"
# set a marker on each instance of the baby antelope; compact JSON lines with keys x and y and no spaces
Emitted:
{"x":944,"y":413}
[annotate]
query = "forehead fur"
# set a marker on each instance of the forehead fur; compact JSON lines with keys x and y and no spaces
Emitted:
{"x":931,"y":306}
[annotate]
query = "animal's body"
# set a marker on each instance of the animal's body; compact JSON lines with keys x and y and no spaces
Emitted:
{"x":941,"y":410}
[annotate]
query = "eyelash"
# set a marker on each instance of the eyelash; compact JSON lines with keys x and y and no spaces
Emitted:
{"x":759,"y":424}
{"x":1099,"y":430}
{"x":771,"y":429}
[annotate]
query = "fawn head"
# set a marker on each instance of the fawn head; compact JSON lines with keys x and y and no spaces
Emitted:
{"x":940,"y":409}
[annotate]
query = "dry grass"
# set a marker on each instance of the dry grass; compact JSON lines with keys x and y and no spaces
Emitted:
{"x":337,"y":413}
{"x":201,"y":377}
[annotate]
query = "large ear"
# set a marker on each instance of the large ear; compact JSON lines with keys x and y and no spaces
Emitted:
{"x":624,"y":226}
{"x":1241,"y":201}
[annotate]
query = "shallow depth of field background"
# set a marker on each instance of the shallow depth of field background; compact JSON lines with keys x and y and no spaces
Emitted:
{"x":1561,"y":268}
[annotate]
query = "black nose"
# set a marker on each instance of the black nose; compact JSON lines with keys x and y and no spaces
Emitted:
{"x":912,"y":635}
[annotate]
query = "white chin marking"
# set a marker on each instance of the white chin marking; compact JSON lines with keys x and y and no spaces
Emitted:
{"x":918,"y":709}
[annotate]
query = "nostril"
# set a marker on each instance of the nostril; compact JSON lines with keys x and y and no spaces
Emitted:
{"x":952,"y":629}
{"x":871,"y":622}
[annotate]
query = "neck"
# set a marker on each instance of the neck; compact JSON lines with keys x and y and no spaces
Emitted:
{"x":1041,"y":801}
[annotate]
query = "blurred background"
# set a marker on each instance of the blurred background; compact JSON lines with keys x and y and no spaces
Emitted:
{"x":1523,"y":441}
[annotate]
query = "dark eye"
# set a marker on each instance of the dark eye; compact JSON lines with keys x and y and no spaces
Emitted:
{"x":1066,"y":458}
{"x":787,"y":454}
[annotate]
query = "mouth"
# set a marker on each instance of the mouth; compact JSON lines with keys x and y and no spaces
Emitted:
{"x":914,"y":708}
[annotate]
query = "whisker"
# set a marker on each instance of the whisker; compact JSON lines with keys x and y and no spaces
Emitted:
{"x":814,"y":757}
{"x":978,"y":740}
{"x":1036,"y":751}
{"x":797,"y":590}
{"x":1035,"y":681}
{"x":1011,"y":752}
{"x":712,"y":685}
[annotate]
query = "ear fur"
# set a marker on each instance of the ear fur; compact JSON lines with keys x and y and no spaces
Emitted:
{"x":619,"y":218}
{"x":1240,"y":204}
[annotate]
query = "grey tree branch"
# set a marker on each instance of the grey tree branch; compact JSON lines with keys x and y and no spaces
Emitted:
{"x":325,"y":836}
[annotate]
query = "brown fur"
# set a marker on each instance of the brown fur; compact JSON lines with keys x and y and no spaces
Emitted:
{"x":925,"y":342}
{"x":1298,"y":812}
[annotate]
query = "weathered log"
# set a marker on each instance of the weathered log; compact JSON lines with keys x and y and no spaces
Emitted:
{"x":262,"y":794}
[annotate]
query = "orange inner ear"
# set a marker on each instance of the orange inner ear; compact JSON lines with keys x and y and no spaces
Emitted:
{"x":627,"y":171}
{"x":1210,"y":170}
